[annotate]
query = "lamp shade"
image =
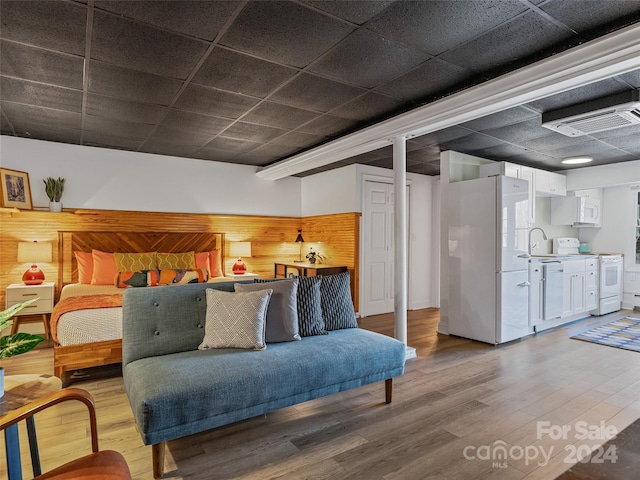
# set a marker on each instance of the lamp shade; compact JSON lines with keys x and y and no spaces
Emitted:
{"x":240,"y":249}
{"x":299,"y":238}
{"x":34,"y":252}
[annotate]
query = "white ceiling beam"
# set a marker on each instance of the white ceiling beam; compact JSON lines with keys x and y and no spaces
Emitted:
{"x":602,"y":58}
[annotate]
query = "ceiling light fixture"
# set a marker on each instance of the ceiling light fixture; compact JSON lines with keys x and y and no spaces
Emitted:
{"x":576,"y":160}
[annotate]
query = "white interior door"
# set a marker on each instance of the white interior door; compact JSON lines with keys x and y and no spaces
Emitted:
{"x":378,"y":254}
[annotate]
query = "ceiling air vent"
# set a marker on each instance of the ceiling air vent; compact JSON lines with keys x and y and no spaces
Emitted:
{"x":608,"y":113}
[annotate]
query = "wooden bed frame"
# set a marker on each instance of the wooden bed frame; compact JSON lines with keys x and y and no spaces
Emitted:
{"x":75,"y":357}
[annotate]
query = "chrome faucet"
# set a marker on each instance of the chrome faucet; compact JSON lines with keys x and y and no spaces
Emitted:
{"x":544,"y":235}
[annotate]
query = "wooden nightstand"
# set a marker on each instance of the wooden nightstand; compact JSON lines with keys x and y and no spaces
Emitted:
{"x":19,"y":292}
{"x":243,"y":276}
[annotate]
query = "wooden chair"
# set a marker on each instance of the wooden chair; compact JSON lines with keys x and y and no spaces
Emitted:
{"x":99,"y":465}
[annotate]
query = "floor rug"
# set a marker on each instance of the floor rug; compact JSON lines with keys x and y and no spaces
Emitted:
{"x":623,"y":333}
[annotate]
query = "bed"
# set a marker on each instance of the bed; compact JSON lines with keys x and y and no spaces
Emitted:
{"x":87,"y":330}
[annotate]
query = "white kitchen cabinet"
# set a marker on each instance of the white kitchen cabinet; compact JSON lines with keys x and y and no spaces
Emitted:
{"x":549,"y":184}
{"x":536,"y":294}
{"x":516,"y":171}
{"x":591,"y":284}
{"x":573,"y":287}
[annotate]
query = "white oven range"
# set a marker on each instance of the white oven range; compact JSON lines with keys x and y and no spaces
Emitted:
{"x":610,"y":284}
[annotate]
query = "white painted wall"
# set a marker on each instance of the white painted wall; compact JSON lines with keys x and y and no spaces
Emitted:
{"x":109,"y":179}
{"x":602,"y":176}
{"x":340,"y":191}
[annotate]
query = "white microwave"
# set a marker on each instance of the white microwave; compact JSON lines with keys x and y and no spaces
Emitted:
{"x":576,"y":211}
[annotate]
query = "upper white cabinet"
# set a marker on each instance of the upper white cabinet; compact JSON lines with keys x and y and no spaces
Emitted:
{"x":516,"y":171}
{"x":549,"y":184}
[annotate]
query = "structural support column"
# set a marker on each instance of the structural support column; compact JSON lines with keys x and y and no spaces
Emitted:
{"x":400,"y":237}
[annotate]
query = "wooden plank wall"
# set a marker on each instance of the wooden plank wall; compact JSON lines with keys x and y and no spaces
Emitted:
{"x":272,"y":238}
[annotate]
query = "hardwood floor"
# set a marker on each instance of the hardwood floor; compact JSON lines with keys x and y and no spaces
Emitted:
{"x":458,"y":397}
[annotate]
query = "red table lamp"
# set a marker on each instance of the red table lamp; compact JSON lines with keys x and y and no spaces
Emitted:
{"x":240,"y":249}
{"x":34,"y":252}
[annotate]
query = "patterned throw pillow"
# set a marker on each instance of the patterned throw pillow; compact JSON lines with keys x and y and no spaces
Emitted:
{"x":310,"y":320}
{"x":153,"y":278}
{"x":128,"y":262}
{"x":336,"y":303}
{"x":176,"y":261}
{"x":235,"y":320}
{"x":282,"y":314}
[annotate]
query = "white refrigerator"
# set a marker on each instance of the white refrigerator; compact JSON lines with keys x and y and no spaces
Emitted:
{"x":488,"y":259}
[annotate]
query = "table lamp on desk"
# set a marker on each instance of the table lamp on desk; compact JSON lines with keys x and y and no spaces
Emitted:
{"x":34,"y":252}
{"x":299,"y":240}
{"x":240,"y":249}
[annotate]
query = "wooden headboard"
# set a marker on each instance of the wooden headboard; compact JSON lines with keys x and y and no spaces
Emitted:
{"x":129,"y":242}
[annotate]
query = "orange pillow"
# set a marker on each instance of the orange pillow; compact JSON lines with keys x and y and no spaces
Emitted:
{"x":104,"y":268}
{"x":215,"y":264}
{"x":85,"y":266}
{"x":202,"y":260}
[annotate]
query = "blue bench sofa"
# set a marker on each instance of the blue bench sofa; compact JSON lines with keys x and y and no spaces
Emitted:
{"x":175,"y":390}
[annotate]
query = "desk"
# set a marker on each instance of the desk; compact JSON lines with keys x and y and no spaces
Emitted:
{"x":283,"y":270}
{"x":18,"y":391}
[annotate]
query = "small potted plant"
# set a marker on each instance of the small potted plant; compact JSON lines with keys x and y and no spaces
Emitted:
{"x":54,"y":188}
{"x":314,"y":256}
{"x":15,"y":343}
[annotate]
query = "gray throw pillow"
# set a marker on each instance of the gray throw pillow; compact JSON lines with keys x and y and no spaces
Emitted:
{"x":309,"y":310}
{"x":336,"y":303}
{"x":282,"y":314}
{"x":235,"y":320}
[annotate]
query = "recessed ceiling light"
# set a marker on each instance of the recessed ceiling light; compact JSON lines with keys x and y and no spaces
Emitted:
{"x":577,"y":160}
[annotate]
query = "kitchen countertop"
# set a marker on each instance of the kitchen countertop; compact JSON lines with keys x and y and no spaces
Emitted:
{"x":560,"y":257}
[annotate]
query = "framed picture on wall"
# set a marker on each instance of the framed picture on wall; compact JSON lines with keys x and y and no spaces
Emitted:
{"x":15,"y":188}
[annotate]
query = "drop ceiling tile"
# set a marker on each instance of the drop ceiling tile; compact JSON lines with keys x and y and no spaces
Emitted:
{"x":367,"y":157}
{"x":117,"y":128}
{"x":29,"y":114}
{"x":424,"y":155}
{"x":579,"y":95}
{"x":298,"y":139}
{"x":430,"y":169}
{"x":196,"y":122}
{"x":240,"y":73}
{"x":276,"y":115}
{"x":508,"y":43}
{"x":381,"y":162}
{"x":311,"y":92}
{"x":355,"y":12}
{"x":470,"y":143}
{"x":369,"y":106}
{"x":614,"y":155}
{"x":631,"y":130}
{"x":519,"y":132}
{"x":30,"y":93}
{"x":501,"y":152}
{"x":632,"y":78}
{"x":629,"y":143}
{"x":368,"y":60}
{"x":537,"y":158}
{"x":442,"y":136}
{"x":214,"y":102}
{"x":130,"y":84}
{"x":125,"y":110}
{"x":552,"y":141}
{"x":328,"y":125}
{"x":133,"y":45}
{"x":215,"y":155}
{"x":438,"y":26}
{"x":324,"y":168}
{"x":166,"y":147}
{"x":432,"y":78}
{"x":256,"y":158}
{"x":108,"y":140}
{"x":583,"y":15}
{"x":44,"y":66}
{"x":253,"y":132}
{"x":270,"y":150}
{"x":501,"y":119}
{"x":591,"y":148}
{"x":284,"y":32}
{"x":167,"y":135}
{"x":231,"y":144}
{"x":53,"y":25}
{"x":50,"y":133}
{"x":197,"y":19}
